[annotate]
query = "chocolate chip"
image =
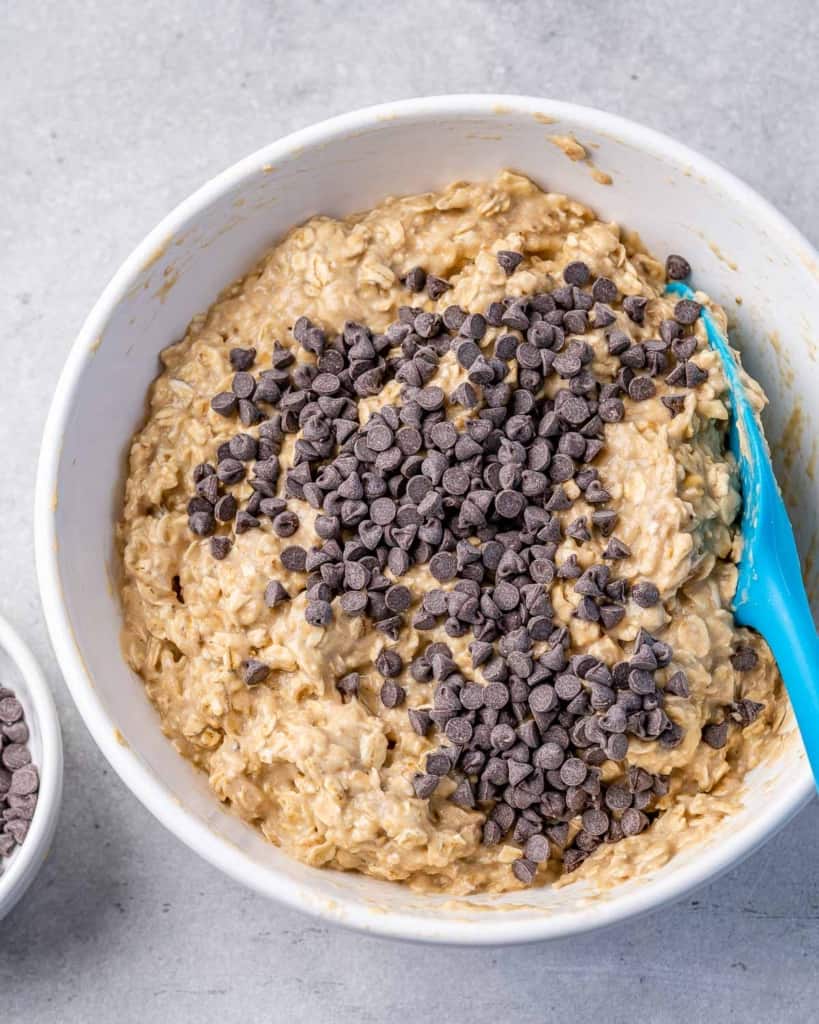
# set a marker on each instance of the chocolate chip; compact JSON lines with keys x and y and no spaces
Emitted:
{"x":424,"y":785}
{"x":225,"y":508}
{"x":201,"y":523}
{"x":285,"y":524}
{"x":242,"y":358}
{"x":225,"y":403}
{"x":415,"y":279}
{"x":464,"y":795}
{"x":509,"y":261}
{"x":677,"y":685}
{"x":436,"y":286}
{"x":611,"y":410}
{"x":348,"y":685}
{"x":220,"y":547}
{"x":595,"y":822}
{"x":744,"y":658}
{"x":245,"y":521}
{"x":633,"y":822}
{"x":576,"y":273}
{"x":745,"y":711}
{"x":443,"y":566}
{"x":392,"y":695}
{"x":686,"y":312}
{"x":318,"y":613}
{"x":694,"y":375}
{"x":254,"y":671}
{"x":11,"y":710}
{"x":453,"y":317}
{"x":230,"y":471}
{"x":524,"y":870}
{"x":389,"y":663}
{"x":573,"y":771}
{"x":616,"y":549}
{"x":645,"y":594}
{"x":635,"y":308}
{"x":677,"y":268}
{"x":275,"y":594}
{"x":243,"y":385}
{"x":714,"y":735}
{"x":641,"y":388}
{"x":24,"y":782}
{"x":674,"y":403}
{"x":604,"y":290}
{"x":354,"y":603}
{"x":294,"y":558}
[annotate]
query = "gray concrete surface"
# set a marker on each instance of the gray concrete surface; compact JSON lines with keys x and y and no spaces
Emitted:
{"x":111,"y":113}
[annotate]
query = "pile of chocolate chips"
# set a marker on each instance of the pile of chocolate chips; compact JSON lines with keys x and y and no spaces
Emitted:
{"x":480,"y":506}
{"x":19,"y":779}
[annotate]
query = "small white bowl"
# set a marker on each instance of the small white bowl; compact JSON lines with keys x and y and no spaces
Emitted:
{"x":20,"y":672}
{"x":743,"y":251}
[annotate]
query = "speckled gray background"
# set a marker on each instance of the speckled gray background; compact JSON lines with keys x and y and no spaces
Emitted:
{"x":111,"y":113}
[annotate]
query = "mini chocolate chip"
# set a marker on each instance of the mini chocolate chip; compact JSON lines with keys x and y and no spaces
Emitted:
{"x":225,"y":403}
{"x":635,"y":308}
{"x":354,"y":603}
{"x":746,"y":711}
{"x":201,"y":523}
{"x":242,"y":358}
{"x":744,"y":658}
{"x":349,"y":684}
{"x":392,"y":695}
{"x":285,"y":524}
{"x":714,"y":735}
{"x":246,"y":521}
{"x":537,"y":849}
{"x":419,"y":720}
{"x":294,"y":558}
{"x":604,"y":290}
{"x":11,"y":710}
{"x":424,"y":785}
{"x":230,"y":471}
{"x":616,"y":549}
{"x":674,"y":403}
{"x":595,"y":822}
{"x":576,"y":273}
{"x":318,"y":613}
{"x":443,"y":566}
{"x":508,"y":261}
{"x":275,"y":594}
{"x":243,"y":385}
{"x":611,"y":410}
{"x":220,"y":547}
{"x":686,"y":312}
{"x":645,"y":594}
{"x":436,"y":286}
{"x":415,"y":279}
{"x":633,"y":822}
{"x":389,"y":663}
{"x":254,"y":671}
{"x":677,"y":268}
{"x":573,"y":771}
{"x":524,"y":870}
{"x":694,"y":375}
{"x":641,"y":388}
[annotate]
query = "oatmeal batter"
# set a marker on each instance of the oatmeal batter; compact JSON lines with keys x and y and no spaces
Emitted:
{"x":329,"y":779}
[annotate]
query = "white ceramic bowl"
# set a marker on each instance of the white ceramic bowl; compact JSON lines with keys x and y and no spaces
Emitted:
{"x":676,"y":199}
{"x":20,"y":672}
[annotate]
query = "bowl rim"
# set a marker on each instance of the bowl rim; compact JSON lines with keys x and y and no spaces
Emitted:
{"x":148,"y":788}
{"x":28,"y":859}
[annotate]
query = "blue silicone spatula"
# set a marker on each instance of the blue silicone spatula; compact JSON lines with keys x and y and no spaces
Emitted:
{"x":770,"y":595}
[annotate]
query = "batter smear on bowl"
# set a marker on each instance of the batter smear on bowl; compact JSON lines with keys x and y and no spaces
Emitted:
{"x":430,"y":542}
